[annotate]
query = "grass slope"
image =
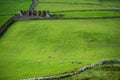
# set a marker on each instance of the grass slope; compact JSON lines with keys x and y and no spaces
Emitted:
{"x":111,"y":3}
{"x":3,"y":19}
{"x":61,"y":7}
{"x":49,"y":47}
{"x":56,"y":7}
{"x":11,"y":7}
{"x":84,"y":14}
{"x":78,"y":1}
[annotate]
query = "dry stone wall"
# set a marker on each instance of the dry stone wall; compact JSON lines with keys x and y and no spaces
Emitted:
{"x":6,"y":25}
{"x":23,"y":13}
{"x":33,"y":5}
{"x":75,"y":72}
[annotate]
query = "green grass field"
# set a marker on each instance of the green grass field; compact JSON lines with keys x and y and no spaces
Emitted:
{"x":70,"y":10}
{"x":12,"y":7}
{"x":3,"y":19}
{"x":85,"y":14}
{"x":48,"y":48}
{"x":80,"y":1}
{"x":111,"y":3}
{"x":37,"y":48}
{"x":52,"y":6}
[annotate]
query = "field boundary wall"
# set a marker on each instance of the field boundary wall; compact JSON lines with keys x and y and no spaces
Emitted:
{"x":75,"y":72}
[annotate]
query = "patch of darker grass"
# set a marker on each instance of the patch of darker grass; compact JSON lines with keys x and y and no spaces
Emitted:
{"x":111,"y":68}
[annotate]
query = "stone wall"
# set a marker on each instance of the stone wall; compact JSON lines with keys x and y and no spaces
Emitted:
{"x":75,"y":72}
{"x":23,"y":13}
{"x":33,"y":5}
{"x":6,"y":25}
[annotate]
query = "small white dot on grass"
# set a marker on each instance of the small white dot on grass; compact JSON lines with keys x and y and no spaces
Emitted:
{"x":39,"y":61}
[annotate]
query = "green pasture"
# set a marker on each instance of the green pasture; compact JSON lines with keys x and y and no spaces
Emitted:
{"x":111,"y":3}
{"x":12,"y":7}
{"x":103,"y":72}
{"x":3,"y":19}
{"x":37,"y":48}
{"x":78,"y":1}
{"x":80,"y":14}
{"x":57,"y":7}
{"x":63,"y":7}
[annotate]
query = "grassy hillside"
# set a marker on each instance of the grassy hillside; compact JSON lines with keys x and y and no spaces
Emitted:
{"x":61,"y":7}
{"x":80,"y":1}
{"x":11,"y":7}
{"x":36,"y":48}
{"x":111,"y":3}
{"x":48,"y":47}
{"x":3,"y":19}
{"x":85,"y":14}
{"x":95,"y":8}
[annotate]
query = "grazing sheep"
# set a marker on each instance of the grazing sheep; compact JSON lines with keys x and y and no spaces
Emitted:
{"x":65,"y":58}
{"x":49,"y":56}
{"x":61,"y":61}
{"x":78,"y":62}
{"x":39,"y":61}
{"x":54,"y":50}
{"x":72,"y":62}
